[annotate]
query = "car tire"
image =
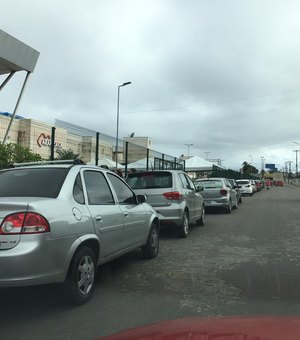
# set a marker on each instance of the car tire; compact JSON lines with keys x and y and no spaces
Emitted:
{"x":151,"y":248}
{"x":201,"y":220}
{"x":80,"y":282}
{"x":229,"y":208}
{"x":183,"y":229}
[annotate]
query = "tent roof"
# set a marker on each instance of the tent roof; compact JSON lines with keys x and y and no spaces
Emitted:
{"x":108,"y":162}
{"x":141,"y":163}
{"x":15,"y":55}
{"x":197,"y":163}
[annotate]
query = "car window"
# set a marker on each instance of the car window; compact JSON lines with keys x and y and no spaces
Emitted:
{"x":97,"y":188}
{"x":150,"y":180}
{"x":124,"y":194}
{"x":243,"y":182}
{"x":78,"y":190}
{"x":210,"y":184}
{"x":186,"y":182}
{"x":37,"y":182}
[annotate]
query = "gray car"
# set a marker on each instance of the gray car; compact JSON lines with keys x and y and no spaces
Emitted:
{"x":59,"y":222}
{"x":173,"y":195}
{"x":218,"y":192}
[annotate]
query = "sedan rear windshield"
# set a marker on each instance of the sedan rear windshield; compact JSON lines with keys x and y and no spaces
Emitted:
{"x":210,"y":184}
{"x":42,"y":182}
{"x":243,"y":182}
{"x":150,"y":180}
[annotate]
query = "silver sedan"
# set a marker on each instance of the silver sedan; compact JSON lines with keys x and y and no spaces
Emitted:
{"x":59,"y":222}
{"x":218,"y":192}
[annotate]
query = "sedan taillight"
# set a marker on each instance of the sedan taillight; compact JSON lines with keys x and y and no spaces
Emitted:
{"x":173,"y":195}
{"x":223,"y":192}
{"x":24,"y":223}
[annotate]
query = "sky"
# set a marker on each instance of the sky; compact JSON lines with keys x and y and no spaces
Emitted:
{"x":222,"y":75}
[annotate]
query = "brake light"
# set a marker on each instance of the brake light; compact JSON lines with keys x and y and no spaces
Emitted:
{"x":24,"y":223}
{"x":223,"y":192}
{"x":173,"y":195}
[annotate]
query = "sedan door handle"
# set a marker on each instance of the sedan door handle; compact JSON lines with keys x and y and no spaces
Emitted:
{"x":98,"y":218}
{"x":126,"y":214}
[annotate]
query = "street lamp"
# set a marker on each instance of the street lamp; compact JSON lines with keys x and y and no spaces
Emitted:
{"x":207,"y":153}
{"x":188,"y":145}
{"x":296,"y":159}
{"x":118,"y":114}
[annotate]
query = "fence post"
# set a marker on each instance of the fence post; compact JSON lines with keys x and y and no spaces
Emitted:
{"x":126,"y":158}
{"x":147,"y":167}
{"x":97,"y":148}
{"x":52,"y":143}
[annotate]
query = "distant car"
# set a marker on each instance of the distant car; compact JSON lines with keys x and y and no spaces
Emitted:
{"x":58,"y":222}
{"x":173,"y":195}
{"x":236,"y":188}
{"x":245,"y":186}
{"x":218,"y":192}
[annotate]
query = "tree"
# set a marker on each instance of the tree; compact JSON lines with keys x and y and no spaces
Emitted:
{"x":249,"y":169}
{"x":14,"y":153}
{"x":67,"y":154}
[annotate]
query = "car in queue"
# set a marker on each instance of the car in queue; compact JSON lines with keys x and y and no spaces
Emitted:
{"x":59,"y":222}
{"x":173,"y":195}
{"x":245,"y":187}
{"x":236,"y":188}
{"x":218,"y":192}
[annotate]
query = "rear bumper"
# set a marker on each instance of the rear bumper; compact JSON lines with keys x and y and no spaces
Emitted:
{"x":222,"y":202}
{"x":246,"y":191}
{"x":37,"y":259}
{"x":170,"y":215}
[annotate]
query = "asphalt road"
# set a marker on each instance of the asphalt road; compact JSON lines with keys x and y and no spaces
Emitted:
{"x":245,"y":263}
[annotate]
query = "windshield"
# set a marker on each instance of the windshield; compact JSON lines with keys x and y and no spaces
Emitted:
{"x":42,"y":182}
{"x":210,"y":184}
{"x":150,"y":180}
{"x":243,"y":182}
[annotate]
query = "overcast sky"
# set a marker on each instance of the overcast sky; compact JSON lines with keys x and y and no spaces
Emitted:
{"x":221,"y":75}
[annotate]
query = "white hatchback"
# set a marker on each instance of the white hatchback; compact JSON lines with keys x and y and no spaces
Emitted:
{"x":245,"y":186}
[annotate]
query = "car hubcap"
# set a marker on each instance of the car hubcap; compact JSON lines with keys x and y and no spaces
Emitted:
{"x":186,"y":224}
{"x":86,"y":273}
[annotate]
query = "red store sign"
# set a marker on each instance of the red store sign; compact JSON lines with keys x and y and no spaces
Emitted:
{"x":45,"y":140}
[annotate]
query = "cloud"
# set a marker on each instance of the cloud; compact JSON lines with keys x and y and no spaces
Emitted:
{"x":223,"y":76}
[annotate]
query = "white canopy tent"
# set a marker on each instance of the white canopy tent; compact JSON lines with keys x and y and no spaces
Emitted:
{"x":197,"y":163}
{"x":141,"y":164}
{"x":108,"y":162}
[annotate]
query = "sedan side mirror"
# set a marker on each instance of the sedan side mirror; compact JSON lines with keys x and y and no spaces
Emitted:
{"x":199,"y":188}
{"x":141,"y":199}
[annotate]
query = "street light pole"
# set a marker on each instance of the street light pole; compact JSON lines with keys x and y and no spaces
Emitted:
{"x":296,"y":162}
{"x":262,"y":163}
{"x":207,"y":153}
{"x":188,"y":145}
{"x":296,"y":159}
{"x":118,"y":114}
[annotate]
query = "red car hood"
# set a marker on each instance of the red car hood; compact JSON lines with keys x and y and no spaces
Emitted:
{"x":223,"y":328}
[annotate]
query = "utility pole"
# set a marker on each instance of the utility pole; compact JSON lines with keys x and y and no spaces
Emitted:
{"x":296,"y":162}
{"x":262,"y":164}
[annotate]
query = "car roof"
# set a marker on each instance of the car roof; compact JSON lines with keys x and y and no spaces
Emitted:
{"x":55,"y":166}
